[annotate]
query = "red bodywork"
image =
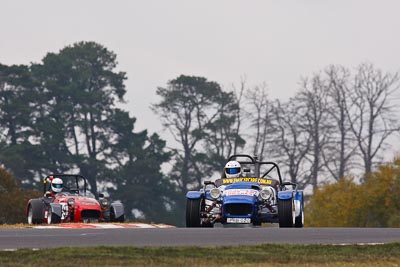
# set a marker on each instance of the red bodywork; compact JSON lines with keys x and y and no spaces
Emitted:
{"x":84,"y":207}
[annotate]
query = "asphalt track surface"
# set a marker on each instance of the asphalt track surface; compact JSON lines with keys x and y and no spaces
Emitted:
{"x":31,"y":238}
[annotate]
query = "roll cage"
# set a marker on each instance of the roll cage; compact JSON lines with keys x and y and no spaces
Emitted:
{"x":71,"y":182}
{"x":247,"y":160}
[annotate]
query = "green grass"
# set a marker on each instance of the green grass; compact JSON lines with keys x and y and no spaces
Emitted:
{"x":260,"y":255}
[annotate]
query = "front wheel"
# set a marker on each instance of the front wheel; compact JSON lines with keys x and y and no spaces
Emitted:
{"x":286,"y":213}
{"x":35,"y":211}
{"x":193,"y":213}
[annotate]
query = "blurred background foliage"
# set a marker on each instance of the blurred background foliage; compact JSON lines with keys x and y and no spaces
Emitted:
{"x":375,"y":203}
{"x":13,"y":199}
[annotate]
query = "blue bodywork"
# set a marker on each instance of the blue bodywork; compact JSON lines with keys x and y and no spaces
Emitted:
{"x":299,"y":196}
{"x":244,"y":206}
{"x":256,"y":198}
{"x":285,"y":195}
{"x":194,"y":195}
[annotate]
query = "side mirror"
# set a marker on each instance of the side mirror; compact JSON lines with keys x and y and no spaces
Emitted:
{"x":47,"y":194}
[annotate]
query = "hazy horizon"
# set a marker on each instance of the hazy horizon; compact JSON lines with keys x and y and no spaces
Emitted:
{"x":276,"y":42}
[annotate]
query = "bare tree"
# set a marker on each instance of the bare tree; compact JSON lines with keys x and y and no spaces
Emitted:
{"x":261,"y":117}
{"x":238,"y":93}
{"x":371,"y":117}
{"x":292,"y":143}
{"x":341,"y":147}
{"x":312,"y":107}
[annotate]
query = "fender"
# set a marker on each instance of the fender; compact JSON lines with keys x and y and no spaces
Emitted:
{"x":118,"y":208}
{"x":194,"y":195}
{"x":56,"y":209}
{"x":299,"y":196}
{"x":298,"y":200}
{"x":283,"y":195}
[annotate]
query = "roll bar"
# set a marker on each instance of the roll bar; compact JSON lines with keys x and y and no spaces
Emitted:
{"x":257,"y":164}
{"x":77,"y":176}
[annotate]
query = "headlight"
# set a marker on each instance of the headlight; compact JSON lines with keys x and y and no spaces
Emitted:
{"x":71,"y":202}
{"x":266,"y":193}
{"x":215,"y":193}
{"x":104,"y":202}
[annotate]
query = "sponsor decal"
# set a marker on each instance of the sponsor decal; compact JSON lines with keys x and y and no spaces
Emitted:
{"x":240,"y":192}
{"x":261,"y":181}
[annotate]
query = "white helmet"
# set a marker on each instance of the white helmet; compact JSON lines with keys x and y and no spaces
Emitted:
{"x":56,"y":185}
{"x":233,"y":169}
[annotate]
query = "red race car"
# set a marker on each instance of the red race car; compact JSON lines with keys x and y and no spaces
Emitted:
{"x":71,"y":201}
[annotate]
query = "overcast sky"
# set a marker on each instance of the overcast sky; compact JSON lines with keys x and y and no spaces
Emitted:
{"x":275,"y":41}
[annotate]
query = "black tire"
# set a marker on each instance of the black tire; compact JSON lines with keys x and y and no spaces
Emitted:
{"x":286,"y":213}
{"x":35,"y":211}
{"x":299,"y":222}
{"x":193,"y":213}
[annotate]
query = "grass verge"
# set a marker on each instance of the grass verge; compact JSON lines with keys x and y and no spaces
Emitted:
{"x":15,"y":226}
{"x":260,"y":255}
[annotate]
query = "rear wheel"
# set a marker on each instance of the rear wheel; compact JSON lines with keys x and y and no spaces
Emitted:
{"x":286,"y":213}
{"x":35,"y":211}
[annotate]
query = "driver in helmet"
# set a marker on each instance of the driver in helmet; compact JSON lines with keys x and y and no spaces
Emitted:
{"x":233,"y":169}
{"x":55,"y":187}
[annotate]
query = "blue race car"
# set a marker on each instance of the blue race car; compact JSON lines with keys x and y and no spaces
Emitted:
{"x":254,"y":198}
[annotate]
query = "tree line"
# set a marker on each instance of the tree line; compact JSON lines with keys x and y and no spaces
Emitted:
{"x":61,"y":115}
{"x":337,"y":123}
